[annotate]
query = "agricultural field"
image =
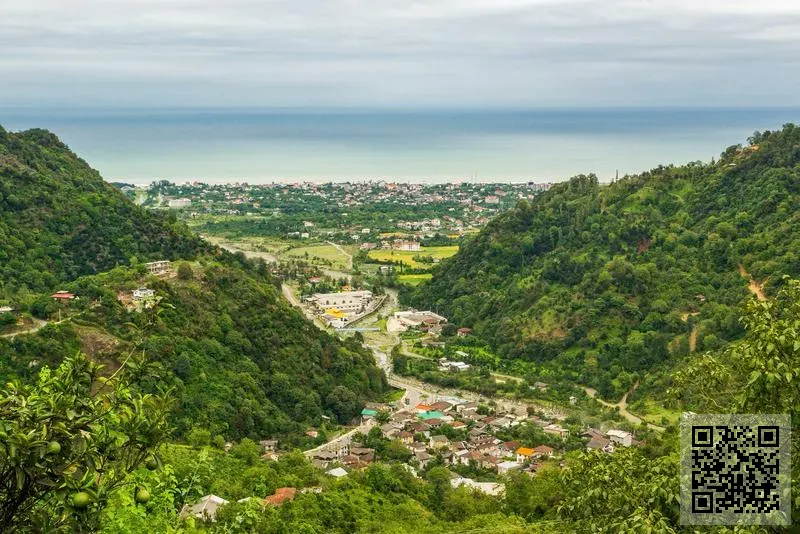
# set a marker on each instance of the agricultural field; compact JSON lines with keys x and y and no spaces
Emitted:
{"x":413,"y":279}
{"x":326,"y":253}
{"x":408,"y":258}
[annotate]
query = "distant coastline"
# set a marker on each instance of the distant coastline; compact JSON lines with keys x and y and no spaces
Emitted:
{"x":320,"y":145}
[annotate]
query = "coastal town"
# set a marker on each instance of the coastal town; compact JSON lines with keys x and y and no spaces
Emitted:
{"x":358,"y":211}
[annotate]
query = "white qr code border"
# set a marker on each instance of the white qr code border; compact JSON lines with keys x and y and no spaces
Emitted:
{"x":702,"y":438}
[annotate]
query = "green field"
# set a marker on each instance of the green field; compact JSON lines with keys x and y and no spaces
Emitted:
{"x":407,"y":257}
{"x":653,"y":412}
{"x":323,"y":252}
{"x":413,"y":279}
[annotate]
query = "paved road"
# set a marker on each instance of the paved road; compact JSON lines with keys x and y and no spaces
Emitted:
{"x":345,"y":439}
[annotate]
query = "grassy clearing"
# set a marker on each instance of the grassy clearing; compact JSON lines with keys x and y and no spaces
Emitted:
{"x":407,"y":257}
{"x":413,"y":279}
{"x":653,"y":413}
{"x":327,"y":253}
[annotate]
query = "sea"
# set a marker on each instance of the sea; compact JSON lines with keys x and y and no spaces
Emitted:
{"x":425,"y":145}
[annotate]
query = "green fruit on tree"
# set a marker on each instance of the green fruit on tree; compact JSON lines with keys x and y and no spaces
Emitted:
{"x":142,"y":496}
{"x":81,"y":500}
{"x":151,"y":463}
{"x":53,"y":447}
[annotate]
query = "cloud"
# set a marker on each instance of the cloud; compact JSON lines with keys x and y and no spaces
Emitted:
{"x":398,"y":53}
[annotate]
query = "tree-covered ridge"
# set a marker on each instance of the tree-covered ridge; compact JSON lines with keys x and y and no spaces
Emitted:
{"x":239,"y":360}
{"x":611,"y":278}
{"x":60,"y":220}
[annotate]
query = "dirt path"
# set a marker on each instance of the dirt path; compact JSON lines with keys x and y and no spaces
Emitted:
{"x":38,"y":324}
{"x":693,"y":334}
{"x":622,"y":405}
{"x":340,"y":249}
{"x":754,"y":287}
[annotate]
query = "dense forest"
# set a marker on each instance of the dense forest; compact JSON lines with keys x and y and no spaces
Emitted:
{"x":609,"y":281}
{"x":60,"y":220}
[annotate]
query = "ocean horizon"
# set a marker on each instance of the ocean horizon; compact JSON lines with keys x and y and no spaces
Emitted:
{"x":428,"y":145}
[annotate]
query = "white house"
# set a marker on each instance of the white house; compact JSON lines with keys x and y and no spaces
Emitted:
{"x":505,"y":467}
{"x":205,"y":508}
{"x":620,"y":437}
{"x":489,"y":488}
{"x":158,"y":267}
{"x":143,"y":293}
{"x":337,"y":472}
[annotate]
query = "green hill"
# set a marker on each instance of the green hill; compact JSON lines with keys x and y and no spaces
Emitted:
{"x":60,"y":220}
{"x":601,"y":282}
{"x":241,"y":360}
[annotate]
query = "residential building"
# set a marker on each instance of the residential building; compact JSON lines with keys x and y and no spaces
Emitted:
{"x":143,"y":293}
{"x":620,"y":437}
{"x":337,"y":472}
{"x":346,"y":302}
{"x":525,"y":454}
{"x":206,"y":508}
{"x":505,"y":467}
{"x":556,"y":430}
{"x":159,"y":267}
{"x":281,"y":496}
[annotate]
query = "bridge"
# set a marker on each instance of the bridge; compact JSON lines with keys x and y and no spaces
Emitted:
{"x":358,"y":329}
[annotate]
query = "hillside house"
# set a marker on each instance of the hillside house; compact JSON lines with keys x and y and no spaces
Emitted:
{"x":281,"y":496}
{"x":556,"y":430}
{"x":143,"y":293}
{"x":620,"y":437}
{"x":506,"y":467}
{"x":159,"y":268}
{"x":423,"y":458}
{"x":205,"y":509}
{"x":525,"y":454}
{"x":439,"y":442}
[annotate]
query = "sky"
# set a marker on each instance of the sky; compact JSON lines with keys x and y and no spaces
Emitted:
{"x":399,"y":53}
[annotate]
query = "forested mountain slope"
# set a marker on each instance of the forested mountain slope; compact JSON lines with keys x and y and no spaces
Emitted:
{"x":60,"y":220}
{"x":598,"y":280}
{"x":239,"y":359}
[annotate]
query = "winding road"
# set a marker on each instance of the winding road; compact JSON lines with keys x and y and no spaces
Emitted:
{"x":38,"y":324}
{"x":622,"y":406}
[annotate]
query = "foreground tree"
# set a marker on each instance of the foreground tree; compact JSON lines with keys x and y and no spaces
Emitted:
{"x":69,"y":441}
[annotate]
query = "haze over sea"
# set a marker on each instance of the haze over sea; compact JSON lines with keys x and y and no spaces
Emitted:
{"x":264,"y":145}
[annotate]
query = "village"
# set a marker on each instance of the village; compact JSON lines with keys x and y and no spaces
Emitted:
{"x":451,"y":432}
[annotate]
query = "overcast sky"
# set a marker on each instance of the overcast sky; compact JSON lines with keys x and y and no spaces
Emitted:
{"x":399,"y":53}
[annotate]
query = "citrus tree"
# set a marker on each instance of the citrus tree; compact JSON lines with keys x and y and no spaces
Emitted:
{"x":68,"y":441}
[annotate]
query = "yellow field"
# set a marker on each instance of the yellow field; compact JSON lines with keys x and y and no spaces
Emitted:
{"x":413,"y":279}
{"x":407,"y":257}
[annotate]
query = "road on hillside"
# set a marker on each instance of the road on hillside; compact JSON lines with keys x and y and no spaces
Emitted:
{"x":622,"y":405}
{"x":38,"y":324}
